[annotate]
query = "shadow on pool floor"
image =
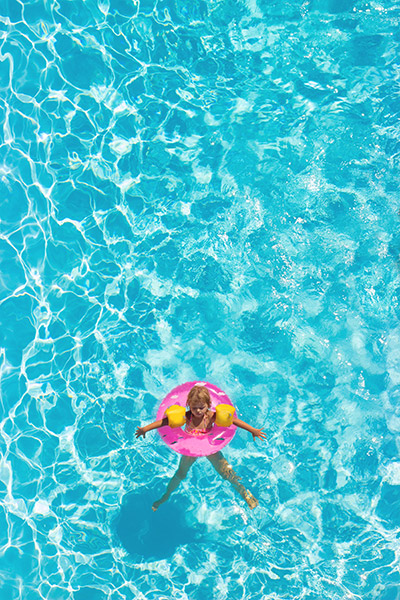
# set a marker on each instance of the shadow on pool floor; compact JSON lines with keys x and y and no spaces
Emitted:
{"x":153,"y":535}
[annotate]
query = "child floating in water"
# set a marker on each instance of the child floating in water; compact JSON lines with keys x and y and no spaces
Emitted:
{"x":199,"y":421}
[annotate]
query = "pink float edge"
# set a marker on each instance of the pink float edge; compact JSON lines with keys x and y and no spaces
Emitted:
{"x":178,"y":440}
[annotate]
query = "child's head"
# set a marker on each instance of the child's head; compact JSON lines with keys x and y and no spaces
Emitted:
{"x":199,"y":397}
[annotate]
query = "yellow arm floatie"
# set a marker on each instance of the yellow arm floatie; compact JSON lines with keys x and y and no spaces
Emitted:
{"x":224,"y":415}
{"x":176,"y":415}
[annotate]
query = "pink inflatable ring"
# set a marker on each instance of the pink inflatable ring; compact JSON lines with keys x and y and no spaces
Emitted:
{"x":183,"y":443}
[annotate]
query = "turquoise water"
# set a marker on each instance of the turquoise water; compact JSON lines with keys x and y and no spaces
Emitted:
{"x":203,"y":190}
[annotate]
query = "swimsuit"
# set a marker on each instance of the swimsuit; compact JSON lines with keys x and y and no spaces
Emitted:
{"x":196,"y":432}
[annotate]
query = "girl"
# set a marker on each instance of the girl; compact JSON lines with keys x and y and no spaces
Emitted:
{"x":199,"y":421}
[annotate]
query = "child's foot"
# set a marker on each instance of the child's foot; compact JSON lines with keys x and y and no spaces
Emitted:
{"x":251,"y":501}
{"x":156,"y":504}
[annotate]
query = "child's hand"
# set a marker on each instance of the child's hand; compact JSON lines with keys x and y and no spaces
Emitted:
{"x":140,"y":431}
{"x":258,"y":433}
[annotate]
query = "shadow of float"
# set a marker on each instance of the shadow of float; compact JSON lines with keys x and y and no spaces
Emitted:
{"x":152,"y":535}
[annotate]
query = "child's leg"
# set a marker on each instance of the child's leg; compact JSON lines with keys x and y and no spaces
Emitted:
{"x":222,"y":467}
{"x":184,"y":466}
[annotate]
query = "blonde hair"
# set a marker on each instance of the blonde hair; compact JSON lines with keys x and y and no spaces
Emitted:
{"x":199,"y":392}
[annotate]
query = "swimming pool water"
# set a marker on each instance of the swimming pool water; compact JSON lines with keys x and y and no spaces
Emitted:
{"x":203,"y":190}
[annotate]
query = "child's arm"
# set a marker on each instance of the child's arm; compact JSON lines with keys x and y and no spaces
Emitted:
{"x":256,"y":433}
{"x":156,"y":425}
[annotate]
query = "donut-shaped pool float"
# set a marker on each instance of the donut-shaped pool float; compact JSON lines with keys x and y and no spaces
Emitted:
{"x":184,"y":443}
